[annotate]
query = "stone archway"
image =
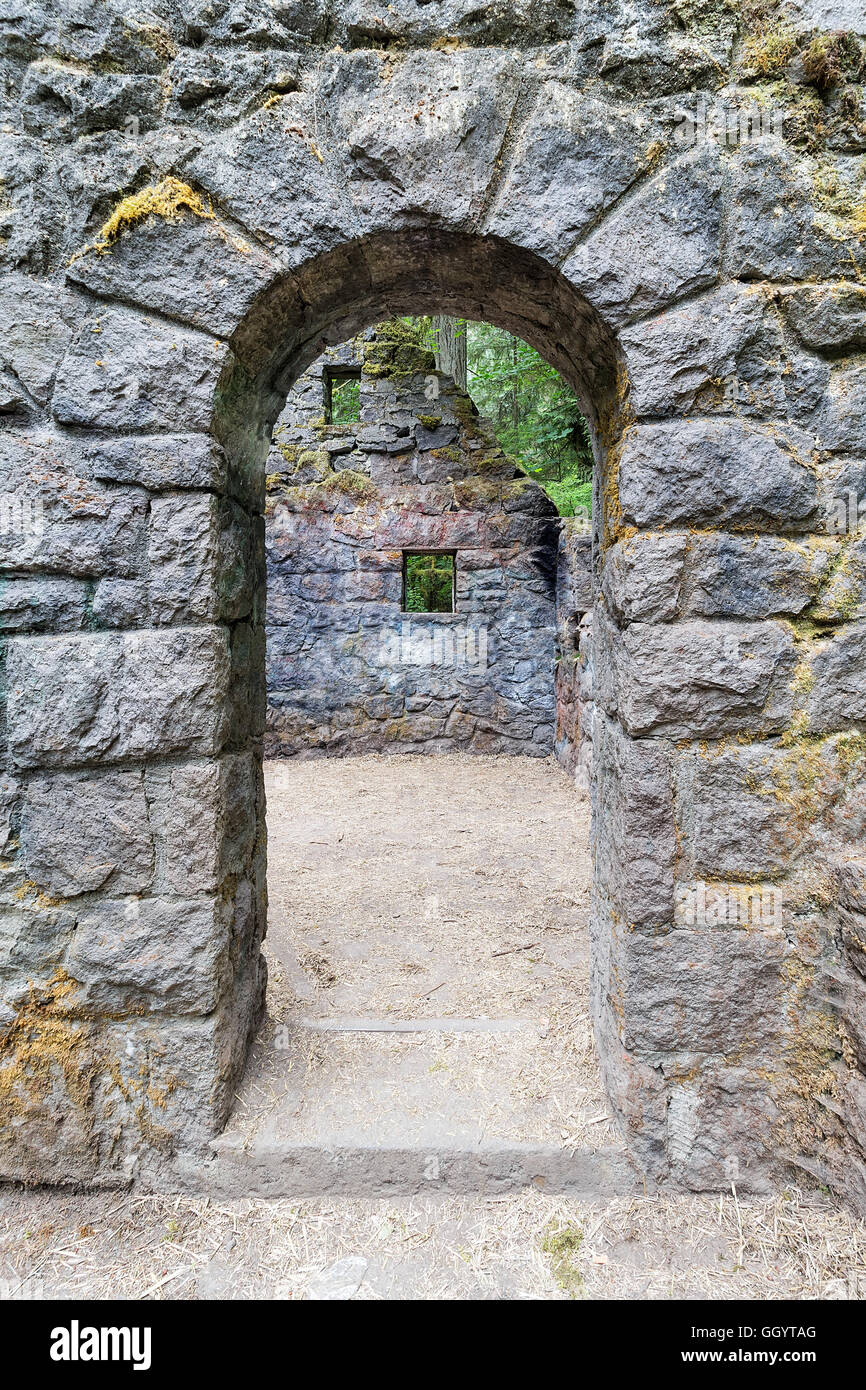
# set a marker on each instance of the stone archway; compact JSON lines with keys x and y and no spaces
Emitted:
{"x":728,"y":659}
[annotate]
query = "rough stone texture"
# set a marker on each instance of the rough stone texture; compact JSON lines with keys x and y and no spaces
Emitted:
{"x":548,"y":168}
{"x":574,"y":602}
{"x":348,"y":670}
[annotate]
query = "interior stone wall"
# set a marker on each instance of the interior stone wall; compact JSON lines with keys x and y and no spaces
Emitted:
{"x":348,"y":671}
{"x":196,"y":203}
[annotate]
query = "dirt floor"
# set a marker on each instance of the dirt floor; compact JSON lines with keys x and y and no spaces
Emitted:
{"x":442,"y":894}
{"x":429,"y":893}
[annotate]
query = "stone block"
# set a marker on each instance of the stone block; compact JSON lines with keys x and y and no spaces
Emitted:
{"x":642,"y":577}
{"x":82,"y":832}
{"x":657,"y":247}
{"x":717,"y":473}
{"x":123,"y":371}
{"x":634,"y":824}
{"x":107,"y":696}
{"x":165,"y":955}
{"x":160,"y":462}
{"x":699,"y":679}
{"x":190,"y":268}
{"x":56,"y":520}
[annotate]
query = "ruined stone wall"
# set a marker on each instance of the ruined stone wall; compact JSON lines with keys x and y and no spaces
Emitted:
{"x":348,"y":671}
{"x":668,"y":201}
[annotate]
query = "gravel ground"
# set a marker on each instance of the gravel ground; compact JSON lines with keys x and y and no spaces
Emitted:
{"x":523,"y":1246}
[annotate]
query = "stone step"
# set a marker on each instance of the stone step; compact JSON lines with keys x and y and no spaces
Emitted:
{"x":370,"y":1106}
{"x":268,"y":1169}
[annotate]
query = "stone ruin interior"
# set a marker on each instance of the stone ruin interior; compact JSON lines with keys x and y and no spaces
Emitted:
{"x":352,"y":1062}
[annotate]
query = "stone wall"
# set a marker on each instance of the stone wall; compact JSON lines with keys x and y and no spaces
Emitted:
{"x":348,"y":671}
{"x":669,"y":204}
{"x":574,"y":604}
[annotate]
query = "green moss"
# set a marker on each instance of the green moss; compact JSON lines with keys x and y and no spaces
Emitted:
{"x":396,"y":357}
{"x":832,"y":58}
{"x":562,"y":1244}
{"x":351,"y":484}
{"x":770,"y":48}
{"x":430,"y":422}
{"x":288,"y":451}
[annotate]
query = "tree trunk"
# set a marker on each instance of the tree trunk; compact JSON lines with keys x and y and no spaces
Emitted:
{"x":451,"y":348}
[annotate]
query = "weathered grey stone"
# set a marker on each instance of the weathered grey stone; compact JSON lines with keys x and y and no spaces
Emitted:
{"x":57,"y":99}
{"x":840,"y":423}
{"x":121,"y":603}
{"x":745,"y":812}
{"x":84,"y":832}
{"x":698,"y":679}
{"x":54,"y":519}
{"x":42,"y":605}
{"x":717,"y":472}
{"x":192,"y":268}
{"x":828,"y":317}
{"x":576,"y":156}
{"x":202,"y":559}
{"x":274,"y":152}
{"x":207,"y":816}
{"x":33,"y":941}
{"x":165,"y":954}
{"x":633,"y":802}
{"x":122,"y":372}
{"x":432,"y":154}
{"x":838,"y":697}
{"x":731,"y":576}
{"x":160,"y":462}
{"x":722,"y":354}
{"x":35,"y":328}
{"x":656,"y":247}
{"x":851,"y":875}
{"x":775,"y":230}
{"x":218,"y":86}
{"x":106,"y":696}
{"x":642,"y":578}
{"x":707,"y":991}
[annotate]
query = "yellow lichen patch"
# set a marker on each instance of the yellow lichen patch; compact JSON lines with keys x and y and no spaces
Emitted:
{"x":168,"y":199}
{"x":652,"y":155}
{"x":41,"y":1045}
{"x":850,"y":748}
{"x":803,"y":679}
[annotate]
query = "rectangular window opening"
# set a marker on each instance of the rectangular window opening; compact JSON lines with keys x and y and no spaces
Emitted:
{"x":428,"y":581}
{"x":343,"y":396}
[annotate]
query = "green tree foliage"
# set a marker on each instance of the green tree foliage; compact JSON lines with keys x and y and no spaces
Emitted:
{"x":345,"y":399}
{"x":429,"y":583}
{"x":535,"y":414}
